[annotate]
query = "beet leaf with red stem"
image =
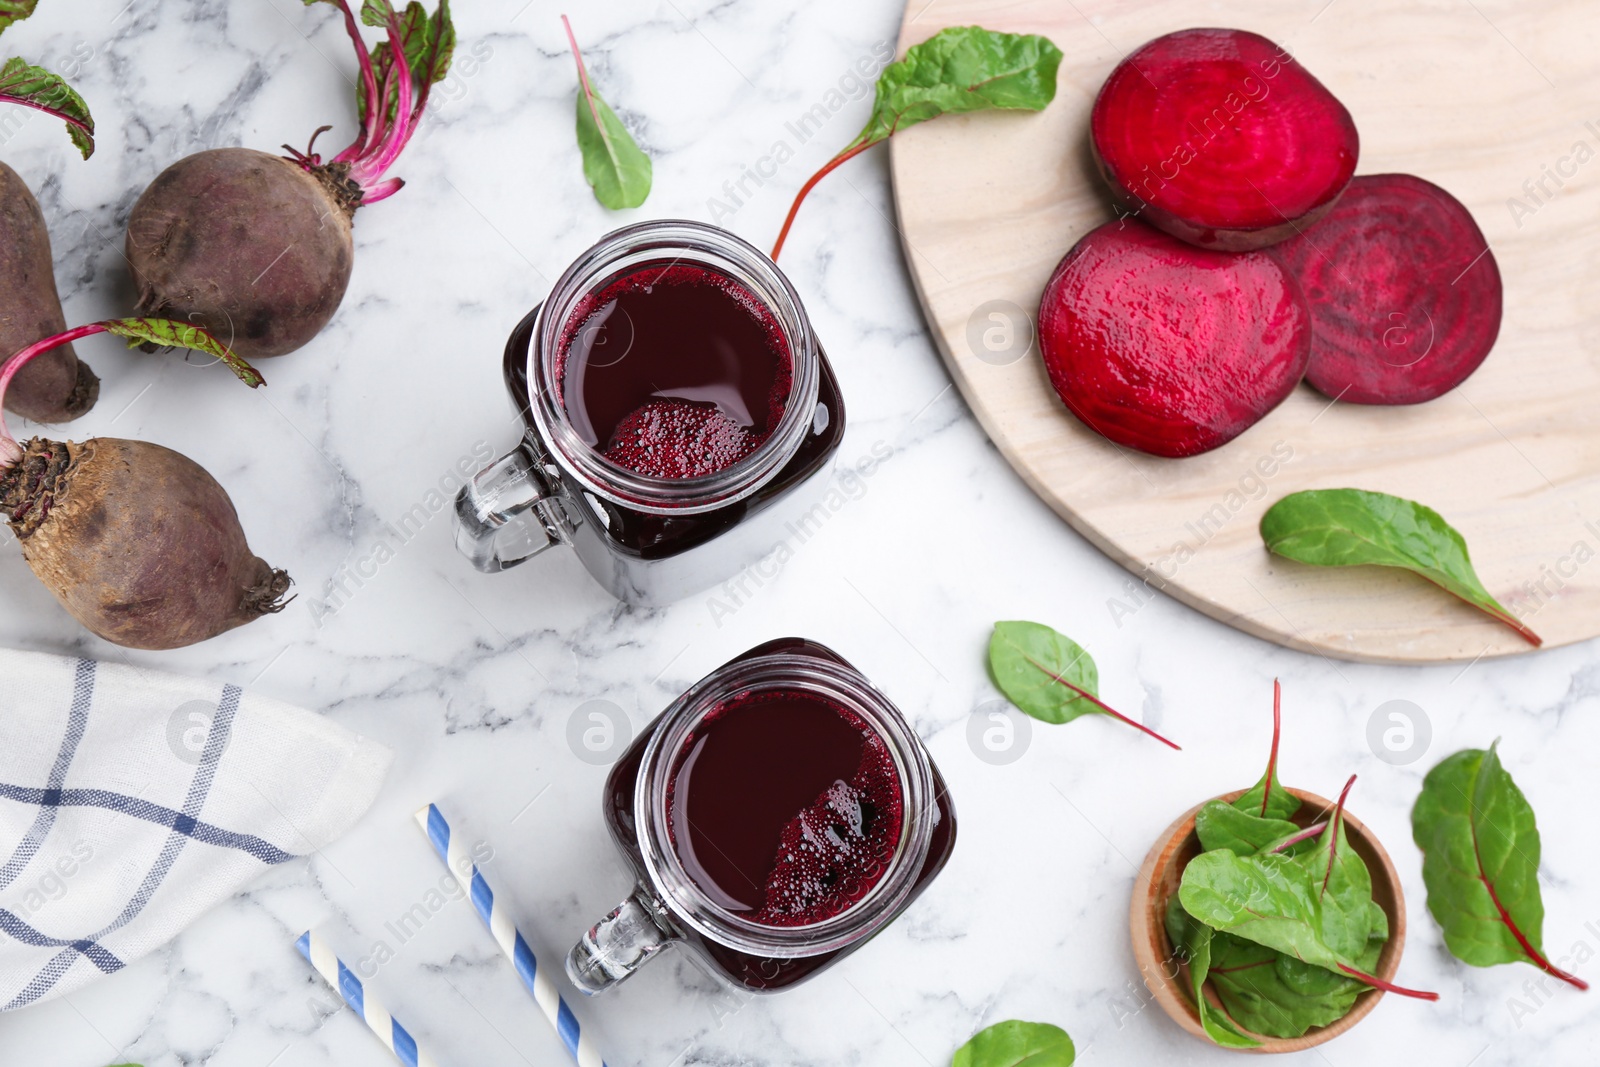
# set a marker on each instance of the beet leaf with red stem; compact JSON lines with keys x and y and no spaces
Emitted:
{"x":29,"y":86}
{"x":1480,"y":861}
{"x":35,"y":87}
{"x":1049,"y":676}
{"x":959,"y":69}
{"x":1356,"y":527}
{"x":392,"y":91}
{"x":138,"y":332}
{"x":615,"y":167}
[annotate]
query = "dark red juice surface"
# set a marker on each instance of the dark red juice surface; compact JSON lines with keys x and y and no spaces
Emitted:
{"x":674,"y":371}
{"x":785,"y":807}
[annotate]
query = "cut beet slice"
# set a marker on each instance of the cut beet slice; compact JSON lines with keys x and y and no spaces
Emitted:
{"x":1404,"y":292}
{"x":1221,"y":138}
{"x":1168,"y":348}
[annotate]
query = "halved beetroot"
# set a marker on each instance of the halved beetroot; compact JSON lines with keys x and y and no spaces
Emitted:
{"x":1221,"y":138}
{"x":1168,"y":348}
{"x":1404,"y":292}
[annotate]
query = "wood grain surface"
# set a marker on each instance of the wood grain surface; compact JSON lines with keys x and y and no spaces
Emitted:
{"x":1498,"y":102}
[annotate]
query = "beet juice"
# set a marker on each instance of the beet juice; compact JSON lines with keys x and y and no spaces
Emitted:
{"x":679,"y":417}
{"x":776,"y":816}
{"x":785,"y":806}
{"x":674,"y":371}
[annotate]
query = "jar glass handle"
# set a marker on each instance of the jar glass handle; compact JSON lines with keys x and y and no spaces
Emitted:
{"x":512,"y":485}
{"x":619,"y":944}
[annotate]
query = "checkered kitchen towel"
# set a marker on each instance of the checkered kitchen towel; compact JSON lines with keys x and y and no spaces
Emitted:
{"x":132,"y":801}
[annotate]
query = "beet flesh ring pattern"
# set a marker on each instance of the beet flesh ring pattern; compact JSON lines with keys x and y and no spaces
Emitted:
{"x":1168,"y":348}
{"x":1221,"y":138}
{"x":1405,"y":295}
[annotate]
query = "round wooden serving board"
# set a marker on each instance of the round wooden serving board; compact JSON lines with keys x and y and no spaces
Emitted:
{"x":1490,"y":100}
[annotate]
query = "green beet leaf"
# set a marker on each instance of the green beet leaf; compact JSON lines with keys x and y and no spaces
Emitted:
{"x":1221,"y":825}
{"x":1344,"y":888}
{"x":1048,"y":675}
{"x":37,"y":88}
{"x":427,"y":42}
{"x":1017,"y":1044}
{"x":15,"y":11}
{"x":1280,"y":996}
{"x":1262,"y":990}
{"x":1354,"y":527}
{"x":958,"y":69}
{"x":1480,"y":862}
{"x":615,"y":167}
{"x":1193,"y":942}
{"x":168,"y":333}
{"x":1043,"y":672}
{"x":1271,"y":900}
{"x":1269,"y":993}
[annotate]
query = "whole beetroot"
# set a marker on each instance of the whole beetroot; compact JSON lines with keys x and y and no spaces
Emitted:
{"x":198,"y":253}
{"x":57,"y":387}
{"x":138,"y":542}
{"x":257,"y":248}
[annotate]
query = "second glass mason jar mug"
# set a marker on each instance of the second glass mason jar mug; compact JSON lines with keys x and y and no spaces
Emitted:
{"x":648,"y":539}
{"x":671,"y":905}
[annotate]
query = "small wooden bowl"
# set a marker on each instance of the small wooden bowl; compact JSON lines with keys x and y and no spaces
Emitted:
{"x":1168,"y":979}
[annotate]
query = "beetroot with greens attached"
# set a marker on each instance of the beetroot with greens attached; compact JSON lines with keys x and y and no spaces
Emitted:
{"x":139,"y":543}
{"x":1221,"y":138}
{"x":1404,"y":292}
{"x":256,"y":248}
{"x":1168,"y":348}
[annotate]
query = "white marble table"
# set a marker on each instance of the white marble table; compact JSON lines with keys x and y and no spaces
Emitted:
{"x":472,"y":678}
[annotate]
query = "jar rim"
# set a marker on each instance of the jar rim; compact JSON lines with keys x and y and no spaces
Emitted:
{"x":684,"y":240}
{"x":692,"y":905}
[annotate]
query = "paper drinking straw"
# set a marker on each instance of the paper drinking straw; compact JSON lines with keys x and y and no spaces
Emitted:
{"x":363,"y":1003}
{"x":508,"y":937}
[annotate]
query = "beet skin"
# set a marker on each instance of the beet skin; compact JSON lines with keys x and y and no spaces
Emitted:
{"x":56,"y":387}
{"x":1171,"y":349}
{"x":138,"y":542}
{"x":251,"y":246}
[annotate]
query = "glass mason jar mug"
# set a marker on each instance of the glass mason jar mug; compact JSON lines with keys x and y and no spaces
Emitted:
{"x":645,"y":535}
{"x":777,"y":815}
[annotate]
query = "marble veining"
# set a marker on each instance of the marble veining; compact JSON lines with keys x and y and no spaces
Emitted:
{"x":474,"y":679}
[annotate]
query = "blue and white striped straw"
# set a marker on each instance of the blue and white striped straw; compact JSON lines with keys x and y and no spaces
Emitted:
{"x":372,"y":1012}
{"x":508,"y":937}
